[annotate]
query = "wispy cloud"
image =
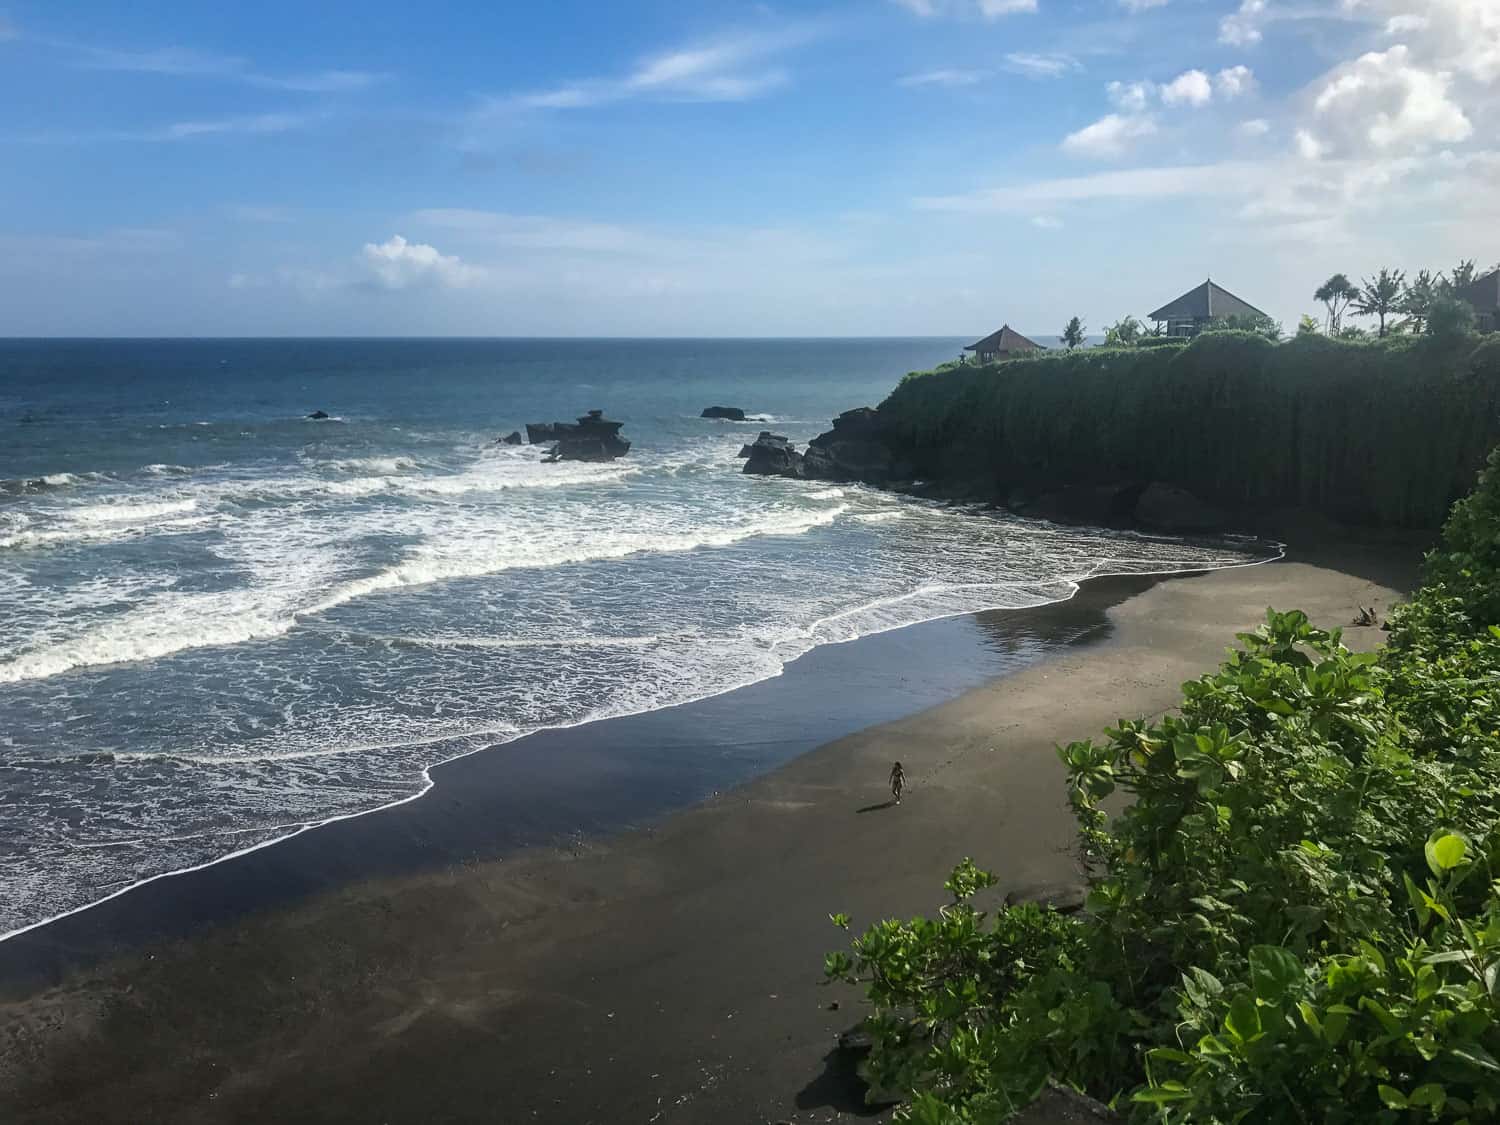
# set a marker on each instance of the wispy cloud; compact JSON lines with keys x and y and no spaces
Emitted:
{"x":730,"y":69}
{"x":945,"y":77}
{"x":1226,"y":178}
{"x":1142,"y":5}
{"x":987,"y":9}
{"x":1041,"y":65}
{"x":399,"y":264}
{"x":256,"y":124}
{"x":182,"y":62}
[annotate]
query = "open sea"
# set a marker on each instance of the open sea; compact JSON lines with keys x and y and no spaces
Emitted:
{"x":222,"y":621}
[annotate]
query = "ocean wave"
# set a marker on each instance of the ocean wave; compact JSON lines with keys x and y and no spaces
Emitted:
{"x":39,"y":538}
{"x":130,"y":511}
{"x":382,"y":465}
{"x":160,"y":470}
{"x":22,"y":486}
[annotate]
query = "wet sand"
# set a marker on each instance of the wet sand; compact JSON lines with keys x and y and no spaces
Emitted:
{"x":667,"y":973}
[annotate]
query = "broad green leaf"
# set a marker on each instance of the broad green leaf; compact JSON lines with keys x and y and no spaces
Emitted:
{"x":1273,"y":971}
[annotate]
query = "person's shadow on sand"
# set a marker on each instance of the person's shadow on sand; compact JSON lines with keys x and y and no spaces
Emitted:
{"x":839,"y":1087}
{"x":876,"y":808}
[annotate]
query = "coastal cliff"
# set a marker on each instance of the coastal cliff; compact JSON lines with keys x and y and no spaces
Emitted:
{"x":1190,"y":436}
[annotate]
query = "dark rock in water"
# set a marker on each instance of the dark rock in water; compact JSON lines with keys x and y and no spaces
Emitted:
{"x":593,"y":438}
{"x":771,"y":455}
{"x":1166,"y":507}
{"x":512,"y":438}
{"x":744,"y":451}
{"x":728,"y":413}
{"x":1059,"y":1105}
{"x":1065,"y":898}
{"x":318,"y":415}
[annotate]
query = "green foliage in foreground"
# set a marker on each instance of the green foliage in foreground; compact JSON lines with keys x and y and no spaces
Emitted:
{"x":1387,"y":432}
{"x":1296,"y":918}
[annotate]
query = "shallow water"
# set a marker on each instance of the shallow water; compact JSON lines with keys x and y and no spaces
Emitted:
{"x":220,"y":620}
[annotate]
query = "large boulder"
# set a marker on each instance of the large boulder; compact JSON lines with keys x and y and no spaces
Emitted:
{"x":319,"y":415}
{"x":1165,"y":507}
{"x":854,"y":449}
{"x":771,"y":455}
{"x":593,"y":438}
{"x":512,"y":438}
{"x":1104,"y":505}
{"x":727,"y":413}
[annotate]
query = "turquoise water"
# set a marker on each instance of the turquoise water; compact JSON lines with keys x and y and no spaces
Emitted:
{"x":221,"y":621}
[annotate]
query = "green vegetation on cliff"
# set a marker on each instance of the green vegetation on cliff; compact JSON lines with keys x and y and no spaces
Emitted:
{"x":1296,"y":919}
{"x":1384,"y":432}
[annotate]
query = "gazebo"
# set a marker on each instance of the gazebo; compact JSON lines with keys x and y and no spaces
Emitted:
{"x":1004,"y":344}
{"x":1198,"y":308}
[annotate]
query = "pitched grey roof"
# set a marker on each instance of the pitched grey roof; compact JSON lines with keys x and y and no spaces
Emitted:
{"x":1006,"y":340}
{"x":1483,"y":294}
{"x":1207,"y":302}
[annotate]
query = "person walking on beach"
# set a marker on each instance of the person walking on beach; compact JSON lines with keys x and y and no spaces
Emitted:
{"x":898,"y":781}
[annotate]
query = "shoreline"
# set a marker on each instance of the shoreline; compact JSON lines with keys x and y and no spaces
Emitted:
{"x":428,"y":782}
{"x":667,"y":973}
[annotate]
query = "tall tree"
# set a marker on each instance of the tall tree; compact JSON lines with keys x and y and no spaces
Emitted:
{"x":1336,"y":293}
{"x":1416,"y":301}
{"x":1073,"y":333}
{"x":1381,"y":296}
{"x":1450,"y":318}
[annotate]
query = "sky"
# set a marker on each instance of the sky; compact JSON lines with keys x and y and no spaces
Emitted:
{"x":654,"y":168}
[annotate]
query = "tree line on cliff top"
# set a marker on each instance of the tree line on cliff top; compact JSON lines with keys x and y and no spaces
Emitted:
{"x":1296,"y":919}
{"x":1384,"y":432}
{"x":1428,"y":303}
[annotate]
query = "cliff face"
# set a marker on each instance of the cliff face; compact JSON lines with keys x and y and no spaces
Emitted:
{"x":1381,"y":434}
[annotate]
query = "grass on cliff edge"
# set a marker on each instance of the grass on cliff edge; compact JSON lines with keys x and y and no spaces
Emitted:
{"x":1296,"y":920}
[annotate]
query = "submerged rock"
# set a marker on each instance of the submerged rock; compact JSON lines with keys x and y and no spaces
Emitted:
{"x":772,"y":455}
{"x":318,"y":415}
{"x":728,"y":413}
{"x":593,"y":438}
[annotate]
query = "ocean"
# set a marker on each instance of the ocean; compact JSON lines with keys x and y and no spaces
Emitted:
{"x":222,"y":621}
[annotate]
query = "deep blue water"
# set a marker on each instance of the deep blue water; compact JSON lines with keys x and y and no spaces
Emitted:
{"x":221,"y":620}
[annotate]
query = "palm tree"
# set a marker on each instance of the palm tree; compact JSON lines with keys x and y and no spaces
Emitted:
{"x":1416,"y":302}
{"x":1073,"y":333}
{"x":1336,"y":293}
{"x":1380,"y":297}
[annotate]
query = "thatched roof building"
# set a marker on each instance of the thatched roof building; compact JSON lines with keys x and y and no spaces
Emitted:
{"x":1004,"y":344}
{"x":1196,"y":309}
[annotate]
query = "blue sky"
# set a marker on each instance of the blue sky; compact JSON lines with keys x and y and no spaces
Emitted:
{"x":880,"y":167}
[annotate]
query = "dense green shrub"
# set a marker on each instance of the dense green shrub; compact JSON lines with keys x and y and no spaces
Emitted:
{"x":1296,"y":918}
{"x":1384,"y":432}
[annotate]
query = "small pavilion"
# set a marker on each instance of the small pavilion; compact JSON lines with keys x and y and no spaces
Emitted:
{"x":1004,"y":344}
{"x":1198,"y":308}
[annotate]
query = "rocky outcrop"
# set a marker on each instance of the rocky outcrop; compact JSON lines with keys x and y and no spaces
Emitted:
{"x":1065,"y":898}
{"x":318,"y":415}
{"x":772,"y":455}
{"x":854,"y":450}
{"x":512,"y":438}
{"x":727,"y":413}
{"x":1105,"y":505}
{"x":1165,"y":507}
{"x":592,"y":438}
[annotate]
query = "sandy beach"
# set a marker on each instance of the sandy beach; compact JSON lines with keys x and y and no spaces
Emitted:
{"x":667,"y":973}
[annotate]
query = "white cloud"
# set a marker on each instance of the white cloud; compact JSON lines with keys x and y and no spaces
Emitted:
{"x":1458,"y":35}
{"x":1109,"y":137}
{"x":1384,"y":104}
{"x":1235,"y":81}
{"x":1255,"y":127}
{"x":1132,"y":97}
{"x":1192,"y":87}
{"x":398,"y":264}
{"x":1243,"y":27}
{"x":988,"y":9}
{"x":1308,"y":146}
{"x":1142,"y":5}
{"x":731,"y":69}
{"x":944,"y":77}
{"x":1034,"y":65}
{"x":1046,"y":222}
